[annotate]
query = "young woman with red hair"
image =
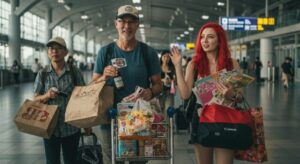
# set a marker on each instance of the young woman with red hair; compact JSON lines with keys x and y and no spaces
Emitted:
{"x":211,"y":55}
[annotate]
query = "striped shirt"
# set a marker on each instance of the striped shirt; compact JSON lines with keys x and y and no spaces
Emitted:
{"x":63,"y":83}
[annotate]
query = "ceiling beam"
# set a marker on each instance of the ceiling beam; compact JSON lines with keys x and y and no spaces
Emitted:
{"x":88,"y":7}
{"x":26,"y":6}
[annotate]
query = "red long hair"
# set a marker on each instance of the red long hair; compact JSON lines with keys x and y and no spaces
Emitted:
{"x":223,"y":57}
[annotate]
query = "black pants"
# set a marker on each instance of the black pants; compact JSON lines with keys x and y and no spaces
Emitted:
{"x":69,"y":146}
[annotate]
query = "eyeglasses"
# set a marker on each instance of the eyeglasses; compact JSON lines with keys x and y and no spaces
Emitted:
{"x":55,"y":47}
{"x":129,"y":22}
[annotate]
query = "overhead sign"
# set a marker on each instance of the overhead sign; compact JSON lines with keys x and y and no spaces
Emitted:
{"x":247,"y":23}
{"x":190,"y":46}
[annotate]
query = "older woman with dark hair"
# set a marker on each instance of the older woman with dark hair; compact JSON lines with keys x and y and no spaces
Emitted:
{"x":211,"y":55}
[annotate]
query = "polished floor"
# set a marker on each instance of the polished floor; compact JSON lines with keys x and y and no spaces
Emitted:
{"x":281,"y":119}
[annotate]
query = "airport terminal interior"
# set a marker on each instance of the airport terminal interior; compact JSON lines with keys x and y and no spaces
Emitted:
{"x":267,"y":29}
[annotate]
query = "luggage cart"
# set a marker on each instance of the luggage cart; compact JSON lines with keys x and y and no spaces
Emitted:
{"x":169,"y":138}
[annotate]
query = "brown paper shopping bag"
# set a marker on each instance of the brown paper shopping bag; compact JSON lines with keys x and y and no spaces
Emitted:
{"x":36,"y":118}
{"x":88,"y":105}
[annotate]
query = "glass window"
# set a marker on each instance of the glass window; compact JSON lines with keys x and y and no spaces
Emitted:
{"x":98,"y":46}
{"x":290,"y":39}
{"x":3,"y":55}
{"x":31,"y":26}
{"x":62,"y":32}
{"x":78,"y":43}
{"x":28,"y":54}
{"x":90,"y":47}
{"x":4,"y":16}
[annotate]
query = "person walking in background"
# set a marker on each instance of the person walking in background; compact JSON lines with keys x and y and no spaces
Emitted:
{"x":71,"y":61}
{"x":211,"y":55}
{"x":168,"y":77}
{"x":244,"y":65}
{"x":36,"y":66}
{"x":140,"y":67}
{"x":257,"y":68}
{"x":60,"y":76}
{"x":16,"y":69}
{"x":287,"y":72}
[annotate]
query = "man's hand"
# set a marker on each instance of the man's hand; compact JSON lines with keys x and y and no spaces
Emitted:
{"x":147,"y":94}
{"x":110,"y":71}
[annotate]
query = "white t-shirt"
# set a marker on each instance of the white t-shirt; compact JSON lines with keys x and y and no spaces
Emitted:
{"x":36,"y":67}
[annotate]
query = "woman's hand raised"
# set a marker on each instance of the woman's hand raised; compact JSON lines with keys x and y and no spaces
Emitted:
{"x":176,"y":57}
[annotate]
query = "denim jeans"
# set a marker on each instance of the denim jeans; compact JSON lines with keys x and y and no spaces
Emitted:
{"x":69,"y":146}
{"x":105,"y":140}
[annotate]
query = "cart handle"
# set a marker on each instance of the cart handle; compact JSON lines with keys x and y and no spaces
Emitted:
{"x":171,"y":111}
{"x":113,"y":113}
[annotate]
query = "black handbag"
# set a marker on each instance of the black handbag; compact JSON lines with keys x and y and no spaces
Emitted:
{"x":89,"y":153}
{"x":180,"y":119}
{"x":225,"y":127}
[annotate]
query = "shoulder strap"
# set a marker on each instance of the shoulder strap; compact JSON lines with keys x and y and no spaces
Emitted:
{"x":144,"y":52}
{"x":73,"y":74}
{"x":109,"y":53}
{"x":44,"y":75}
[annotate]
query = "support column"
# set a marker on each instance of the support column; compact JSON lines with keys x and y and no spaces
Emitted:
{"x":70,"y":46}
{"x":48,"y":34}
{"x":265,"y":55}
{"x":85,"y":45}
{"x":227,"y":8}
{"x":14,"y":43}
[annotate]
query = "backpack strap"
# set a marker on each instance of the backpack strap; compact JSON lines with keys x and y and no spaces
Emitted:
{"x":73,"y":73}
{"x":144,"y":52}
{"x":109,"y":53}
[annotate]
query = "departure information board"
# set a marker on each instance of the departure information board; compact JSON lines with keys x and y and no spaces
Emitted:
{"x":247,"y":23}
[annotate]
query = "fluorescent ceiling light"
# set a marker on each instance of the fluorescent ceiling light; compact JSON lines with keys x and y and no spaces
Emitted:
{"x":186,"y":32}
{"x":220,"y":3}
{"x":178,"y":38}
{"x":138,"y":8}
{"x":84,"y":17}
{"x":68,"y":7}
{"x":141,"y":15}
{"x":136,"y":1}
{"x":60,"y":1}
{"x":191,"y":28}
{"x":141,"y":25}
{"x":100,"y":29}
{"x":181,"y":35}
{"x":205,"y":17}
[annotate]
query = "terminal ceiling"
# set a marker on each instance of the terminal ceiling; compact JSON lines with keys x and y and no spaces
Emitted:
{"x":159,"y":29}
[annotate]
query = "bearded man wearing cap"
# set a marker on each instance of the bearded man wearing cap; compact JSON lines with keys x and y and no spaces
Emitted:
{"x":140,"y":67}
{"x":59,"y":76}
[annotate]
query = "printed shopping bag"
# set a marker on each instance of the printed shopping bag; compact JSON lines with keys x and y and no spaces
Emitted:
{"x":225,"y":127}
{"x":257,"y":151}
{"x":36,"y":118}
{"x":89,"y":105}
